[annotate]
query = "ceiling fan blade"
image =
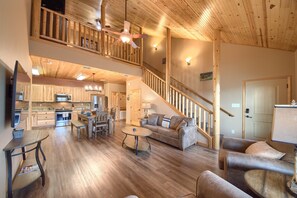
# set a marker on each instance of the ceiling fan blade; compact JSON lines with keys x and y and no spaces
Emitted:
{"x":139,"y":36}
{"x":111,"y":31}
{"x":126,"y":26}
{"x":133,"y":44}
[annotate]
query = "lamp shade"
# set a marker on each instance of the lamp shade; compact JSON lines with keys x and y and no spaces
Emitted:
{"x":146,"y":105}
{"x":284,"y":124}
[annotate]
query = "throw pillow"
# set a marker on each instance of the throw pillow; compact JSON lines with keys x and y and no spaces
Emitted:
{"x":152,"y":120}
{"x":166,"y":122}
{"x":160,"y":118}
{"x":190,"y":121}
{"x":262,"y":149}
{"x":182,"y":124}
{"x":175,"y":121}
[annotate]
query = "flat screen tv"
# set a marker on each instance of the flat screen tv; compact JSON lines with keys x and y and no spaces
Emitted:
{"x":20,"y":89}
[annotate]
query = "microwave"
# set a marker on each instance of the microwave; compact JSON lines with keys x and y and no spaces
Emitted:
{"x":63,"y":98}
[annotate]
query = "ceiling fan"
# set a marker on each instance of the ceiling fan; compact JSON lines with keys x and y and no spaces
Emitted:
{"x":125,"y":35}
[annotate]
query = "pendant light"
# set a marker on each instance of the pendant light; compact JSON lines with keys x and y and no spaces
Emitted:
{"x":93,"y":86}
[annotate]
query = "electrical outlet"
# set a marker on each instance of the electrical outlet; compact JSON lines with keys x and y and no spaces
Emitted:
{"x":233,"y":131}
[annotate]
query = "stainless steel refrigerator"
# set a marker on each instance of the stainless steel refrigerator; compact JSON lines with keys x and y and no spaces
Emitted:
{"x":99,"y":102}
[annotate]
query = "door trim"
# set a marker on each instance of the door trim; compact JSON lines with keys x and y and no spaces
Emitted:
{"x":289,"y":95}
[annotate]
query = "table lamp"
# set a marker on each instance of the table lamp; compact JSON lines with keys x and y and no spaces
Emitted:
{"x":284,"y":129}
{"x":146,"y":106}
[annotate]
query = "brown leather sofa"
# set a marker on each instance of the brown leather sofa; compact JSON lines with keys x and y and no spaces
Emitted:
{"x":234,"y":161}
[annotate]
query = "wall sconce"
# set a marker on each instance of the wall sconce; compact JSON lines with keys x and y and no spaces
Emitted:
{"x":155,"y":46}
{"x":188,"y":60}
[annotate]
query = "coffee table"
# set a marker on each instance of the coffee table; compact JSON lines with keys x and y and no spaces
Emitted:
{"x":268,"y":183}
{"x":131,"y":140}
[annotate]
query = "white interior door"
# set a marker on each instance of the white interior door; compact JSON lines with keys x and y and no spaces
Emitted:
{"x":135,"y":107}
{"x":260,"y":99}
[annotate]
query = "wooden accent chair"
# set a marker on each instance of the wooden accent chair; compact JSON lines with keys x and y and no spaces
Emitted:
{"x":101,"y":123}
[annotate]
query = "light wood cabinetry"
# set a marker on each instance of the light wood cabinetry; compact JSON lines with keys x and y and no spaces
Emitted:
{"x":25,"y":89}
{"x":37,"y":93}
{"x":34,"y":119}
{"x":77,"y":94}
{"x":118,"y":101}
{"x":68,"y":90}
{"x":58,"y":90}
{"x":48,"y":93}
{"x":43,"y":118}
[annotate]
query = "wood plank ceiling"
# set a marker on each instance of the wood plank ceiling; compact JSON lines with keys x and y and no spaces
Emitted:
{"x":65,"y":70}
{"x":263,"y":23}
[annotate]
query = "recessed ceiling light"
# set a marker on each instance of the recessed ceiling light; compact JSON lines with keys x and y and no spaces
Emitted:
{"x":80,"y":77}
{"x":35,"y":72}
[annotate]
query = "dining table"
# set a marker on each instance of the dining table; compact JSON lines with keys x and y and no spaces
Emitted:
{"x":89,"y":121}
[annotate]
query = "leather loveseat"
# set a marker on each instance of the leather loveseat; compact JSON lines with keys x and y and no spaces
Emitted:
{"x":181,"y":133}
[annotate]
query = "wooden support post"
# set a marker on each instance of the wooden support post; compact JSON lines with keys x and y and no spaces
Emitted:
{"x":216,"y":88}
{"x":103,"y":4}
{"x":168,"y":64}
{"x":141,"y":48}
{"x":36,"y":9}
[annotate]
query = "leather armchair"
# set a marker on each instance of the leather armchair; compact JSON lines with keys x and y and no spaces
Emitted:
{"x":234,"y":161}
{"x":209,"y":185}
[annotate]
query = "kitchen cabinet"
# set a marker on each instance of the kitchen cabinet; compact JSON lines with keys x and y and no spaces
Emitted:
{"x":58,"y":90}
{"x":25,"y":89}
{"x":77,"y":94}
{"x":34,"y":119}
{"x":37,"y":93}
{"x":48,"y":93}
{"x":68,"y":90}
{"x":43,"y":118}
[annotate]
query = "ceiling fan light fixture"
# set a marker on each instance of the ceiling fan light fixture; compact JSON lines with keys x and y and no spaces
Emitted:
{"x":125,"y":38}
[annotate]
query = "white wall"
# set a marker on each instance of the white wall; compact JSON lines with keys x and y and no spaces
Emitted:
{"x":238,"y":63}
{"x":147,"y":95}
{"x":14,"y":34}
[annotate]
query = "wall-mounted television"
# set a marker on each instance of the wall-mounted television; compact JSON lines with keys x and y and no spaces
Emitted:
{"x":20,"y":89}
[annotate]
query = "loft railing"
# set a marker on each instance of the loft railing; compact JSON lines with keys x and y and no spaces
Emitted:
{"x":183,"y":103}
{"x":182,"y":87}
{"x":66,"y":30}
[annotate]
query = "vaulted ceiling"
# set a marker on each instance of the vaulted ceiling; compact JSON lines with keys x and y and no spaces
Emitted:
{"x":263,"y":23}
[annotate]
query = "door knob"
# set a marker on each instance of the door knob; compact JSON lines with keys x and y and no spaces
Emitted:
{"x":247,"y":116}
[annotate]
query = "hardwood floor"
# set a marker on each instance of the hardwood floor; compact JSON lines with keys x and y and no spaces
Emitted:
{"x":102,"y":168}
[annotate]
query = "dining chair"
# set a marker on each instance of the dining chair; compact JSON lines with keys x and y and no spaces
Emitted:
{"x":113,"y":115}
{"x":101,"y":123}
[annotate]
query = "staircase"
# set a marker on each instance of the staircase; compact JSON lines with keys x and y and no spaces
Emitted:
{"x":185,"y":103}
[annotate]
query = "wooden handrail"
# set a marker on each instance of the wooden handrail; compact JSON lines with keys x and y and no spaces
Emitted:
{"x":192,"y":99}
{"x":63,"y":29}
{"x":161,"y":75}
{"x":203,"y":98}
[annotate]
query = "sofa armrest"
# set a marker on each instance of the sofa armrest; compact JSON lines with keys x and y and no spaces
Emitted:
{"x":143,"y":122}
{"x":236,"y":144}
{"x":246,"y":162}
{"x":206,"y":183}
{"x":187,"y":130}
